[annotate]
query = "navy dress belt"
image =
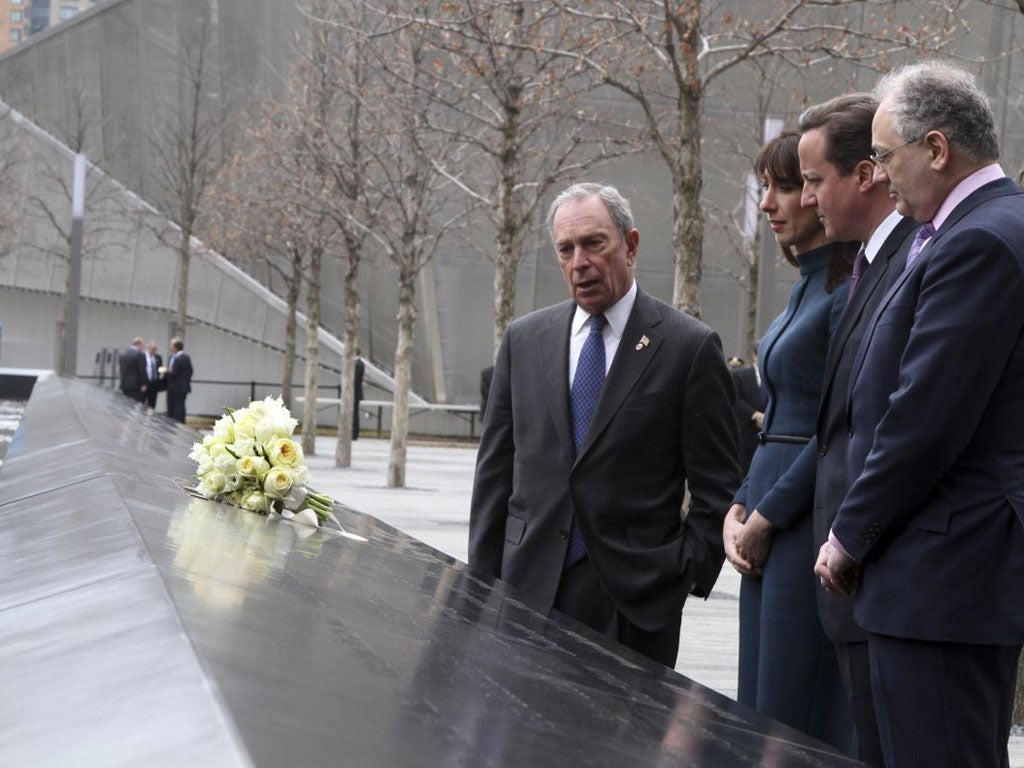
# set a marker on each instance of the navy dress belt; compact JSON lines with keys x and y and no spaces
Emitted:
{"x":764,"y":437}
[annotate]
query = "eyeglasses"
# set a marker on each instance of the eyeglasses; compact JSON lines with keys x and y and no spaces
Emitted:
{"x":881,"y":158}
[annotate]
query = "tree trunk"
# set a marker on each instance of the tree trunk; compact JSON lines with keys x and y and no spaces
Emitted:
{"x":687,"y":210}
{"x":65,"y":319}
{"x":403,"y":380}
{"x":509,"y":236}
{"x":312,"y":353}
{"x":505,"y":272}
{"x":343,"y":451}
{"x":290,"y":327}
{"x":184,"y":257}
{"x":753,"y":259}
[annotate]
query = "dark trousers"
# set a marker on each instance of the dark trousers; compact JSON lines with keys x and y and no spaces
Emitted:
{"x":355,"y":420}
{"x":135,"y":394}
{"x":582,"y":596}
{"x":176,"y":405}
{"x":855,"y":671}
{"x":943,"y":705}
{"x":151,"y":393}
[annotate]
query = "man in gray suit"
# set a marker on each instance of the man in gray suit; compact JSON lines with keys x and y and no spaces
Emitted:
{"x":578,"y":496}
{"x":835,"y":151}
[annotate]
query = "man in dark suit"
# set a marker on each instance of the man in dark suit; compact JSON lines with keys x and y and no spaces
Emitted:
{"x":133,"y":371}
{"x":835,"y":151}
{"x":578,"y":495}
{"x":154,"y":382}
{"x":179,"y":380}
{"x":749,"y":408}
{"x":934,"y":524}
{"x":357,"y":391}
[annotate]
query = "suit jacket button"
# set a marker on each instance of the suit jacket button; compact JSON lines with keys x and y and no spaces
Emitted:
{"x":823,"y":449}
{"x":563,"y":535}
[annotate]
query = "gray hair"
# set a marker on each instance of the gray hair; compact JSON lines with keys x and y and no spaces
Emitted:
{"x":617,"y":205}
{"x":939,"y":96}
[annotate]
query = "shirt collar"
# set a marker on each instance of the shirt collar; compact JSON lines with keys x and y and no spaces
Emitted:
{"x":616,"y":315}
{"x":881,"y":234}
{"x":960,"y":192}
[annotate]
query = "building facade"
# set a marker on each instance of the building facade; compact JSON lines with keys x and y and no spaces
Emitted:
{"x":14,"y":22}
{"x":128,"y":53}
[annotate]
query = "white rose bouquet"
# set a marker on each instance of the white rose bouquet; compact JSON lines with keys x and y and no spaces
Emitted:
{"x":251,"y":461}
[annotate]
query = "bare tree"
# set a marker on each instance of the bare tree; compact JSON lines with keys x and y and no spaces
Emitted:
{"x":9,"y":187}
{"x":666,"y":56}
{"x":344,"y":145}
{"x":417,"y":206}
{"x":187,"y":143}
{"x":49,"y":198}
{"x":254,"y":218}
{"x":522,"y":111}
{"x":740,"y":223}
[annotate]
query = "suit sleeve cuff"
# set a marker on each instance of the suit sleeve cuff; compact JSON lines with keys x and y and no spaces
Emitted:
{"x":839,"y":545}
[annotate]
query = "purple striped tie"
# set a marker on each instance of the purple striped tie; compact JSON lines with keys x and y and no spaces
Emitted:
{"x":859,"y":265}
{"x":923,"y":234}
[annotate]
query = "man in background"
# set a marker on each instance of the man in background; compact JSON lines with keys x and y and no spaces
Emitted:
{"x":357,"y":392}
{"x":179,"y":380}
{"x":154,"y":383}
{"x":133,"y":371}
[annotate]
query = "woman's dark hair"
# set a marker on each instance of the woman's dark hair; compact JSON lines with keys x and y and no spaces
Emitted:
{"x":778,"y":160}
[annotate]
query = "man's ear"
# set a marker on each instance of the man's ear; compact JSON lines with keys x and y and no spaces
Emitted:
{"x":938,"y":147}
{"x":865,"y":171}
{"x":632,"y":245}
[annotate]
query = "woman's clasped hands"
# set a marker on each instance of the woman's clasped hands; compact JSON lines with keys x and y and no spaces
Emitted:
{"x":748,"y":540}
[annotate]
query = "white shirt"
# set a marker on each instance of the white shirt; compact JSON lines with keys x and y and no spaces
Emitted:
{"x":879,"y":236}
{"x":616,"y":315}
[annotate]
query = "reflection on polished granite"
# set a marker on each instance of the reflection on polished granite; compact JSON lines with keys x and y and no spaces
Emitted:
{"x":141,"y":626}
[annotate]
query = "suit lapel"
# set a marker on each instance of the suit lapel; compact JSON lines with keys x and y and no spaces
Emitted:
{"x":553,"y":361}
{"x":631,"y":359}
{"x":894,"y":251}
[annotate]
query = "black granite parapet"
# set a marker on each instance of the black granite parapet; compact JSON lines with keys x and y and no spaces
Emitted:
{"x":141,"y":626}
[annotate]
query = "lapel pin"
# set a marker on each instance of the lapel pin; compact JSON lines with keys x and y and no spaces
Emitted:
{"x":644,"y":341}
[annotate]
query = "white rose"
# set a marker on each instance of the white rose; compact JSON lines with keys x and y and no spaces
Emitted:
{"x":278,"y":482}
{"x":254,"y":501}
{"x":245,"y":423}
{"x":252,"y":466}
{"x":284,"y":452}
{"x":212,"y":483}
{"x":301,"y":475}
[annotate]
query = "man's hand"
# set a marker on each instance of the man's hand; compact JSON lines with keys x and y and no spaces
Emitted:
{"x":731,"y":530}
{"x":838,"y":572}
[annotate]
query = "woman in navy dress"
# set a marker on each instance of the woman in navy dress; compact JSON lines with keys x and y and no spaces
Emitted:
{"x":787,"y":666}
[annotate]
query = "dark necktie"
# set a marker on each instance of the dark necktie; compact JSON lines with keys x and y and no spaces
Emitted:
{"x":925,"y":232}
{"x":859,"y":265}
{"x":586,"y":391}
